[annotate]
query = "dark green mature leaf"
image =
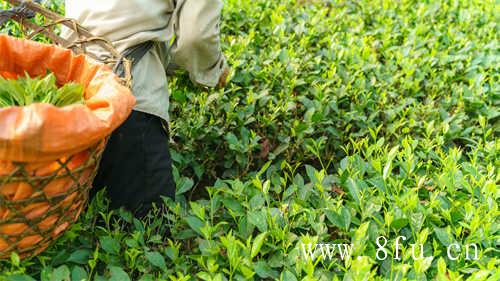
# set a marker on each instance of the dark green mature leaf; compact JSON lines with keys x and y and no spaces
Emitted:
{"x":80,"y":256}
{"x":264,"y":271}
{"x":117,"y":274}
{"x":288,"y":276}
{"x":147,"y":277}
{"x":443,"y":236}
{"x":61,"y":273}
{"x":195,"y":223}
{"x":258,"y":218}
{"x":340,"y":219}
{"x":110,"y":245}
{"x":184,"y":185}
{"x":79,"y":274}
{"x":156,"y":259}
{"x":233,"y":205}
{"x":353,"y":188}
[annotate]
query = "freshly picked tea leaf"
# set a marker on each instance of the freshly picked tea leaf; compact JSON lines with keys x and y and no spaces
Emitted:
{"x":26,"y":90}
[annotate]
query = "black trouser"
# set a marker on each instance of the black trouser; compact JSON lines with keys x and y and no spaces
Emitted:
{"x":136,"y":166}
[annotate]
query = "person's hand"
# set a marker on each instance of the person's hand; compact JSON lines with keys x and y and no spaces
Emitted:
{"x":224,"y":78}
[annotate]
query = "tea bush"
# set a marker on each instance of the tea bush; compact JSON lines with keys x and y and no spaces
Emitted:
{"x":345,"y":121}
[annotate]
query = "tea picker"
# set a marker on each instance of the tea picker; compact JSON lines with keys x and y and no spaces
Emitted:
{"x":155,"y":34}
{"x":136,"y":164}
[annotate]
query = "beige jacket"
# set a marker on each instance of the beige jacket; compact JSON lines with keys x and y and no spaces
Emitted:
{"x":186,"y":32}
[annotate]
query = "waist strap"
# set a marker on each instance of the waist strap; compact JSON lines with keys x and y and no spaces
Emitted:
{"x":134,"y":54}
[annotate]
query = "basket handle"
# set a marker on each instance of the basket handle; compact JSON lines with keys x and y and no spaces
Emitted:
{"x":19,"y":12}
{"x":26,"y":9}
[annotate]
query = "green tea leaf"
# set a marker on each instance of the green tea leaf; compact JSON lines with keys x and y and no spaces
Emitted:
{"x":110,"y":245}
{"x":26,"y":90}
{"x":117,"y":274}
{"x":257,"y":244}
{"x":156,"y":259}
{"x":62,"y":273}
{"x":79,"y":274}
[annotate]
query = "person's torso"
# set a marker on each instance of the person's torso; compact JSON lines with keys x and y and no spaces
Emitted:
{"x":124,"y":22}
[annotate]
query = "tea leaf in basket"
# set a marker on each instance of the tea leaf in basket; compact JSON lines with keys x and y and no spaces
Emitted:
{"x":71,"y":93}
{"x":26,"y":90}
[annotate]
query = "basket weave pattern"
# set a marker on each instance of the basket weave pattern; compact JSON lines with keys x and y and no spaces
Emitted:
{"x":39,"y":201}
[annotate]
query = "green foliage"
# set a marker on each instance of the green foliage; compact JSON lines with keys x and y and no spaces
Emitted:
{"x":25,"y":91}
{"x":14,"y":29}
{"x":345,"y":121}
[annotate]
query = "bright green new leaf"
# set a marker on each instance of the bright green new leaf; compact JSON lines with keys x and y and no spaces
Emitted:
{"x":258,"y":242}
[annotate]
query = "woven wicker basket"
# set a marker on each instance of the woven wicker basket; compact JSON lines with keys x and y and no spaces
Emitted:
{"x":39,"y":201}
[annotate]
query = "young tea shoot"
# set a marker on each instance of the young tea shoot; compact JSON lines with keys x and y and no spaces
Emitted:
{"x":26,"y":90}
